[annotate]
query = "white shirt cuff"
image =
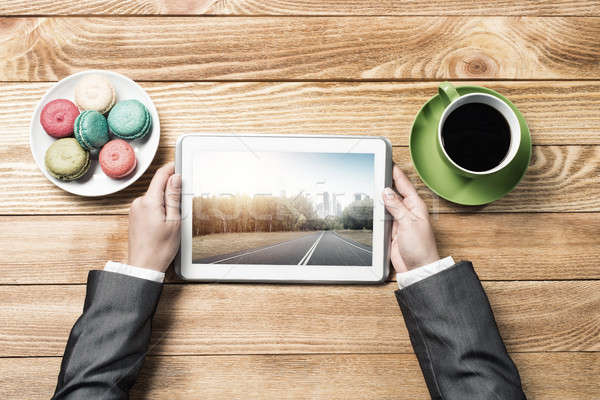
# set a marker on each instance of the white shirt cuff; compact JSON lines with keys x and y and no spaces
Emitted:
{"x":137,"y":272}
{"x":415,"y":275}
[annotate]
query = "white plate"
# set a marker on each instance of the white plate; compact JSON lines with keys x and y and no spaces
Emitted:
{"x":95,"y":182}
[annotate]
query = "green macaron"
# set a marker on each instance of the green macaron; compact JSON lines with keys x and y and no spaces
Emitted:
{"x":91,"y":130}
{"x":66,"y":160}
{"x":129,"y":119}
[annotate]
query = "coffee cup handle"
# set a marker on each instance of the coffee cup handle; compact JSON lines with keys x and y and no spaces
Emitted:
{"x":448,"y":92}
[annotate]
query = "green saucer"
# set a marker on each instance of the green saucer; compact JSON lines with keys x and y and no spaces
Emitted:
{"x":446,"y":183}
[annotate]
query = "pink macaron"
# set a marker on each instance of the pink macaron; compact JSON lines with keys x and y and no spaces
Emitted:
{"x":117,"y":158}
{"x":57,"y":118}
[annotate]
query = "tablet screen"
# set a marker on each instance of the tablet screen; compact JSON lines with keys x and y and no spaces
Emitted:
{"x":283,"y":208}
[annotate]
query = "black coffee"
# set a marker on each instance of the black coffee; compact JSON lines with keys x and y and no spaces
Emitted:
{"x":476,"y":136}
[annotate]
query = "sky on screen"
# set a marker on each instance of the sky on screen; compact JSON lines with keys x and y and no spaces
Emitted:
{"x":276,"y":173}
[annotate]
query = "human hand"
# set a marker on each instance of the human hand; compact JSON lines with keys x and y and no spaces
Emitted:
{"x":154,"y":221}
{"x":413,"y":243}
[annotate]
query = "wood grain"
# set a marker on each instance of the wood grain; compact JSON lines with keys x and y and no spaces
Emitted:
{"x":384,"y":60}
{"x":329,"y":48}
{"x":559,"y":179}
{"x":556,"y":112}
{"x":305,"y":7}
{"x":552,"y":170}
{"x":319,"y":376}
{"x":519,"y":246}
{"x":276,"y":319}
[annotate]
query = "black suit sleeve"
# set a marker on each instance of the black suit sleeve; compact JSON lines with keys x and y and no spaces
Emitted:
{"x":455,"y":337}
{"x":108,"y":343}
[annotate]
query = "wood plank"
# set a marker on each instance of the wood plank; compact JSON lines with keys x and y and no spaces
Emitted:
{"x":559,"y":179}
{"x":523,"y":246}
{"x":195,"y":319}
{"x":41,"y":256}
{"x":29,"y":192}
{"x":557,"y":112}
{"x":275,"y":48}
{"x":317,"y":376}
{"x":306,"y":7}
{"x":551,"y":170}
{"x":519,"y":246}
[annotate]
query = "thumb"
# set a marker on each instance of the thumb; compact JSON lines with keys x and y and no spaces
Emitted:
{"x":393,"y":203}
{"x":173,"y":198}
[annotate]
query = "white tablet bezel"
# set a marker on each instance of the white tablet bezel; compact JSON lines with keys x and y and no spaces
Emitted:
{"x":188,"y":145}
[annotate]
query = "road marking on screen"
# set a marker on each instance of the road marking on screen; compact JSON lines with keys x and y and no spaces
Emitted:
{"x":256,"y":251}
{"x":310,"y":251}
{"x":339,"y":237}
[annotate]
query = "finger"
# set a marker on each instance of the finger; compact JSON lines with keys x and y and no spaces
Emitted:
{"x":395,"y":227}
{"x":396,"y":258}
{"x":156,"y":190}
{"x":393,"y":203}
{"x":403,"y":184}
{"x":173,"y":198}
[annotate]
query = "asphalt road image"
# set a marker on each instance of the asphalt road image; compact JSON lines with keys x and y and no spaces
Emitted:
{"x":318,"y":248}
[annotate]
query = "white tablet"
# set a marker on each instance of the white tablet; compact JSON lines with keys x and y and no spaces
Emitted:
{"x":276,"y":208}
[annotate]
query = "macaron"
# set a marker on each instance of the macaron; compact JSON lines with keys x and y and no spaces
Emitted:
{"x":117,"y":158}
{"x":66,"y":160}
{"x":129,"y":119}
{"x":91,"y":130}
{"x":95,"y":92}
{"x":57,"y":118}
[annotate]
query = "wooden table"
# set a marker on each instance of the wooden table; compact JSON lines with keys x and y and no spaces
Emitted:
{"x":311,"y":66}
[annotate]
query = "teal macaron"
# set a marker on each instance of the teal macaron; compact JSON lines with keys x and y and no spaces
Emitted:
{"x":129,"y":119}
{"x":91,"y":130}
